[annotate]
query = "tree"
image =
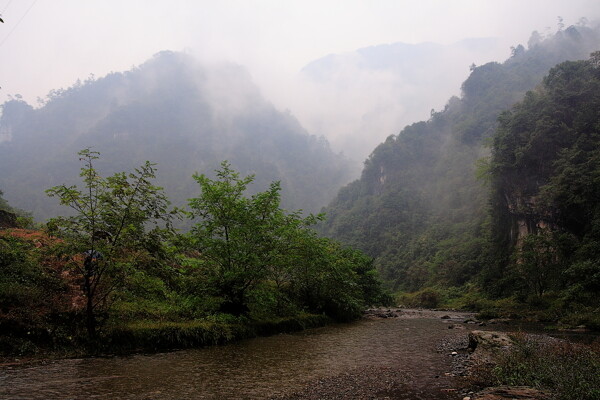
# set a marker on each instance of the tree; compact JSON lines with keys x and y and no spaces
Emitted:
{"x":3,"y":203}
{"x":538,"y":262}
{"x":329,"y":278}
{"x":238,"y":236}
{"x":259,"y":260}
{"x":113,"y":216}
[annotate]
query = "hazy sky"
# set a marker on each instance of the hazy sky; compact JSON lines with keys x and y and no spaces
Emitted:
{"x":48,"y":44}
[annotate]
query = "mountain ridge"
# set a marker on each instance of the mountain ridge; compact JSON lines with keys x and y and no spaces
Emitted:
{"x":175,"y":112}
{"x":418,"y":208}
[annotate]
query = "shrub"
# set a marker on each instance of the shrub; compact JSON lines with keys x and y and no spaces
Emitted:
{"x":426,"y":298}
{"x":571,"y":371}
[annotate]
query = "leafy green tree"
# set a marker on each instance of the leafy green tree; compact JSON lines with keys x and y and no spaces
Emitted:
{"x":239,"y":237}
{"x":329,"y":278}
{"x":112,"y":217}
{"x":256,"y":259}
{"x":539,"y":262}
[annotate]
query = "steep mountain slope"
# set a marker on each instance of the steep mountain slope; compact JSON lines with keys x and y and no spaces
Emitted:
{"x":366,"y":94}
{"x":545,"y":172}
{"x":172,"y":111}
{"x":418,"y":207}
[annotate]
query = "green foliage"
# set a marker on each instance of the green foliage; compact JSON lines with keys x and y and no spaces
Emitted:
{"x":239,"y":238}
{"x":570,"y":371}
{"x":114,"y":217}
{"x":420,"y":206}
{"x":255,"y":259}
{"x":545,"y":189}
{"x":33,"y":295}
{"x":246,"y":268}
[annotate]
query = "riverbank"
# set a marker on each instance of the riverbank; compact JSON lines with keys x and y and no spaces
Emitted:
{"x":479,"y":363}
{"x":154,"y":336}
{"x":390,"y":354}
{"x":428,"y":370}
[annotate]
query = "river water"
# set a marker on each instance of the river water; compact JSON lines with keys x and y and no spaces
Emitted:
{"x":251,"y":369}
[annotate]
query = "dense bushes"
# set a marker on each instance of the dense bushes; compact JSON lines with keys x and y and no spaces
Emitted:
{"x":36,"y":296}
{"x":116,"y":276}
{"x":571,"y":371}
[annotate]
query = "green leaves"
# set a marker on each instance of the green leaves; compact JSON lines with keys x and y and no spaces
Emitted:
{"x":110,"y":217}
{"x":545,"y":181}
{"x":261,"y":260}
{"x":238,"y":235}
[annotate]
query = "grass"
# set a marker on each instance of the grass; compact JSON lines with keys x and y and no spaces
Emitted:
{"x":161,"y":335}
{"x":570,"y":371}
{"x":156,"y":335}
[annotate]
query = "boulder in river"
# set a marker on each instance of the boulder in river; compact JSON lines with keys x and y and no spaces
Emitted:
{"x":382,"y":313}
{"x":488,"y":340}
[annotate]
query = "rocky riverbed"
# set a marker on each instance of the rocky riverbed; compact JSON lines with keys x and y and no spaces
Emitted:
{"x":390,"y":354}
{"x":435,"y":374}
{"x":466,"y":344}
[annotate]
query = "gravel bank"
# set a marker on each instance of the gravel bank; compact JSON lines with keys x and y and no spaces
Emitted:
{"x":419,"y":380}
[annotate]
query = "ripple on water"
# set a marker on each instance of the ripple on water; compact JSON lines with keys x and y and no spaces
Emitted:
{"x":256,"y":368}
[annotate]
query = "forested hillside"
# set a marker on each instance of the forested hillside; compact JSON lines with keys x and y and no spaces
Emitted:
{"x":418,"y":207}
{"x":545,"y":171}
{"x":181,"y":115}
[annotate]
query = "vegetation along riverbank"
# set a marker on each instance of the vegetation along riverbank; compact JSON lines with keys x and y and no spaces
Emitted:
{"x":465,"y":358}
{"x":115,"y":276}
{"x":490,"y":206}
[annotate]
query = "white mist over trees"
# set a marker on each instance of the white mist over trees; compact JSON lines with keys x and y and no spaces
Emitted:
{"x":175,"y":112}
{"x":418,"y":207}
{"x":371,"y":93}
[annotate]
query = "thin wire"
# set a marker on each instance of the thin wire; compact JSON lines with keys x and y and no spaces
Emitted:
{"x":6,"y":6}
{"x":18,"y":23}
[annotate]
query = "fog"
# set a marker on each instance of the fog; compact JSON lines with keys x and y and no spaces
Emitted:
{"x":352,"y":71}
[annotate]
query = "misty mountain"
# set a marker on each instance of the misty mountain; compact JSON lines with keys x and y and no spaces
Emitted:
{"x":418,"y":207}
{"x":171,"y":110}
{"x":369,"y":93}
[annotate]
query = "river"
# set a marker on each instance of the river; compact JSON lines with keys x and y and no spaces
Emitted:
{"x":257,"y":368}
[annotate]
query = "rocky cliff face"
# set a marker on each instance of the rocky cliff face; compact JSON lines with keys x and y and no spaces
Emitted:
{"x":527,"y":216}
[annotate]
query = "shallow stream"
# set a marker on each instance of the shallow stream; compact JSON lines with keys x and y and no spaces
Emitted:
{"x":255,"y":368}
{"x":401,"y":357}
